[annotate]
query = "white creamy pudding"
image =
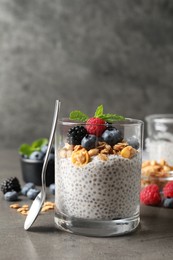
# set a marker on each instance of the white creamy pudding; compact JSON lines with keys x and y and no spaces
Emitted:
{"x":99,"y":189}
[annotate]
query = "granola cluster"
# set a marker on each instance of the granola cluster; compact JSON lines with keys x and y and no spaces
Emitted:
{"x":154,"y":172}
{"x":80,"y":156}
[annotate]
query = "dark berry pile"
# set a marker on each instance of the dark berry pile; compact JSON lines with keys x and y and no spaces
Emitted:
{"x":79,"y":135}
{"x":10,"y":184}
{"x":11,"y":189}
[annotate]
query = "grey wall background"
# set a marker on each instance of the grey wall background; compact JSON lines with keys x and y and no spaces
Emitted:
{"x":85,"y":53}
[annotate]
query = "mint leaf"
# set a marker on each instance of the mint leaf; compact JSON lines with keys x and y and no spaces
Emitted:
{"x":111,"y":118}
{"x":37,"y":144}
{"x":78,"y":116}
{"x":25,"y":149}
{"x":99,"y":111}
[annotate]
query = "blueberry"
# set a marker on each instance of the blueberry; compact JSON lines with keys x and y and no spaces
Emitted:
{"x":52,"y":188}
{"x":52,"y":150}
{"x":44,"y":149}
{"x":133,"y":141}
{"x":36,"y":156}
{"x":11,"y":196}
{"x":24,"y":156}
{"x":51,"y":157}
{"x":168,"y":203}
{"x":32,"y":193}
{"x":26,"y":187}
{"x":89,"y":141}
{"x":112,"y":136}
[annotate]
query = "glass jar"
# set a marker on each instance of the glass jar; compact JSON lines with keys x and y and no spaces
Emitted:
{"x":159,"y":141}
{"x":98,"y":186}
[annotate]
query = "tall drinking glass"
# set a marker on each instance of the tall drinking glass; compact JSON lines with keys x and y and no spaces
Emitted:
{"x":98,"y":186}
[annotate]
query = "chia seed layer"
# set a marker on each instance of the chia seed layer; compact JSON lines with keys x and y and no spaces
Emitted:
{"x":100,"y":189}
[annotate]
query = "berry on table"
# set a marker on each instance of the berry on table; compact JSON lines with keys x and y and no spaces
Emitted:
{"x":112,"y":136}
{"x":168,"y":190}
{"x":10,"y":184}
{"x":168,"y":203}
{"x":27,"y":187}
{"x":89,"y":142}
{"x":150,"y":195}
{"x":52,"y":188}
{"x":75,"y":135}
{"x":95,"y":126}
{"x":32,"y":193}
{"x":11,"y":196}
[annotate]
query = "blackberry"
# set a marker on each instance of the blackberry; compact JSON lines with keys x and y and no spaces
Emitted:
{"x":10,"y":184}
{"x":75,"y":135}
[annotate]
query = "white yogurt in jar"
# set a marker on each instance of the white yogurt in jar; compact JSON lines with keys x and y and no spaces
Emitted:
{"x":100,"y":189}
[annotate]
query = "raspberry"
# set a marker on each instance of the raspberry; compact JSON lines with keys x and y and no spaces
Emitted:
{"x":150,"y":195}
{"x":95,"y":126}
{"x":168,"y":190}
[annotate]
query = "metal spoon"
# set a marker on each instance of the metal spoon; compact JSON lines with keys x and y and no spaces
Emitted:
{"x":39,"y":200}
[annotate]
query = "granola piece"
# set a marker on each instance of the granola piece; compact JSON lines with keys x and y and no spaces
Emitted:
{"x":93,"y":152}
{"x":128,"y":152}
{"x":119,"y":146}
{"x":63,"y":153}
{"x":15,"y":206}
{"x":103,"y":157}
{"x":78,"y":147}
{"x":80,"y":157}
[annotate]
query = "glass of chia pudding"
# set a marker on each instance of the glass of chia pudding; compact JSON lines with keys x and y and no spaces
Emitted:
{"x":159,"y":142}
{"x":97,"y":174}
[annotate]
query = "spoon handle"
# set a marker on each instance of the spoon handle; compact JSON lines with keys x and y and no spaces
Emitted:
{"x":54,"y":123}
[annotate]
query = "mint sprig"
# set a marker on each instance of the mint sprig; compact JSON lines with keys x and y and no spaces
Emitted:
{"x":110,"y":118}
{"x":27,"y":149}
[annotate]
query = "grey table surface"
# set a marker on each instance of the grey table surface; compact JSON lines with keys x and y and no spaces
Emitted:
{"x":152,"y":240}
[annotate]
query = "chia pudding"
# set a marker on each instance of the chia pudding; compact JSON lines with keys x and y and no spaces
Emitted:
{"x":99,"y":189}
{"x":97,"y":173}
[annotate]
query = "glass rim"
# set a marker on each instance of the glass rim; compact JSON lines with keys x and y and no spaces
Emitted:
{"x":126,"y":122}
{"x":160,"y":118}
